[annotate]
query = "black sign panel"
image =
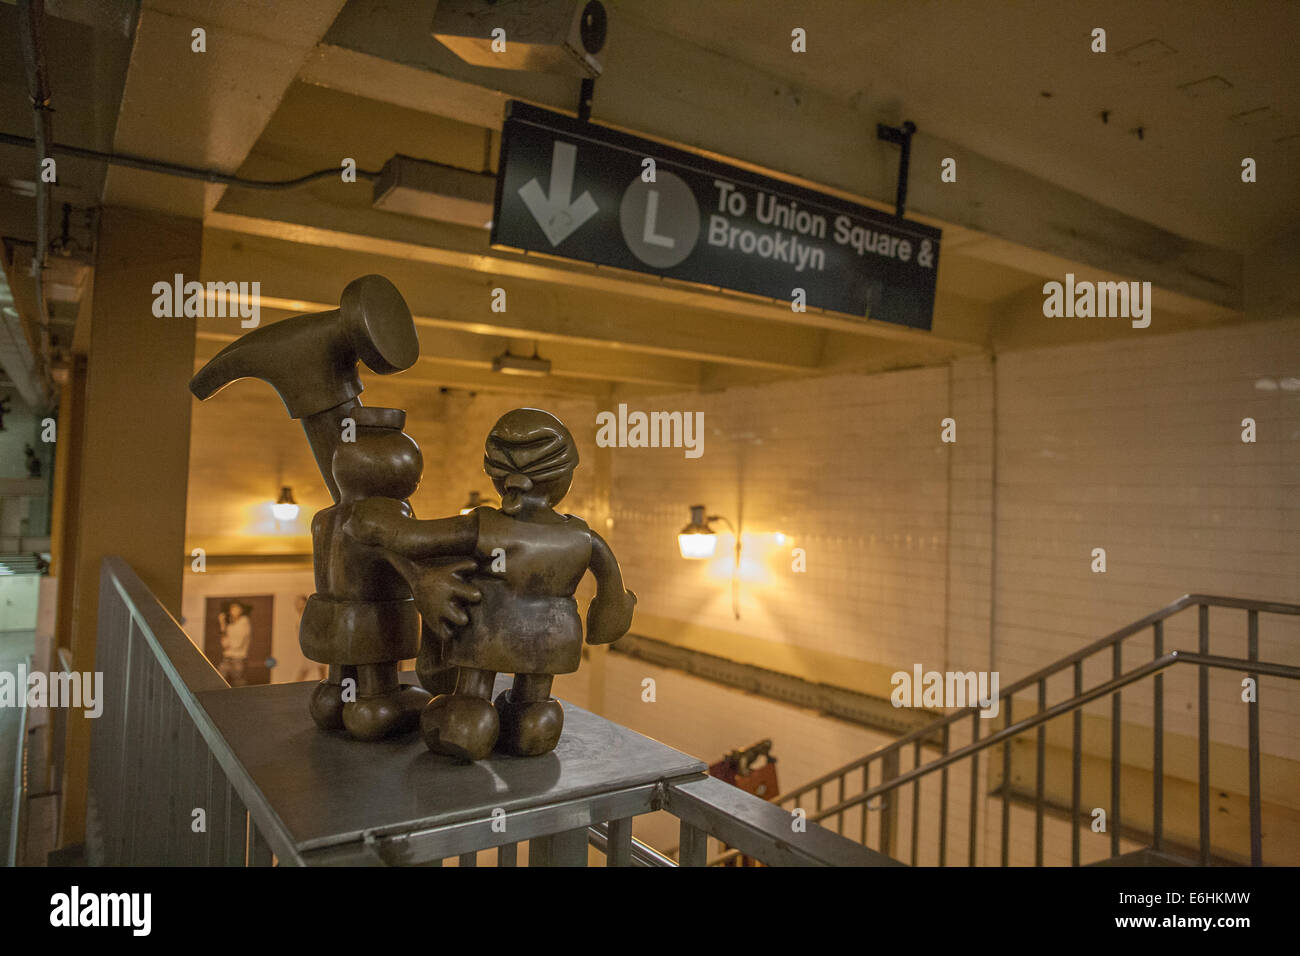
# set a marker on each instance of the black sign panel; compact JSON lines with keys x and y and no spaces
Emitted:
{"x":581,"y":191}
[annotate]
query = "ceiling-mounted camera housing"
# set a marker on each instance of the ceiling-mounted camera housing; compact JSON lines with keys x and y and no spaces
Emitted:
{"x":541,"y":36}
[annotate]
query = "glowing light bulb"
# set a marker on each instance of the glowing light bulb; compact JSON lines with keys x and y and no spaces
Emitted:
{"x":285,"y":508}
{"x":697,"y":545}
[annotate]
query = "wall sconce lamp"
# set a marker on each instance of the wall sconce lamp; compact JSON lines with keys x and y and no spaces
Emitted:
{"x":285,"y":508}
{"x":697,"y":541}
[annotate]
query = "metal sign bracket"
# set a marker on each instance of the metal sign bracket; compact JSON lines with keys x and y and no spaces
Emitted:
{"x":901,"y":136}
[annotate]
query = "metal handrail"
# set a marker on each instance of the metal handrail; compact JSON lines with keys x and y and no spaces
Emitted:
{"x":922,"y":734}
{"x":709,"y":806}
{"x":642,"y":854}
{"x":162,"y":731}
{"x":1058,"y":710}
{"x":888,"y":755}
{"x":1042,"y":717}
{"x":159,"y":673}
{"x":19,"y":783}
{"x":188,"y":673}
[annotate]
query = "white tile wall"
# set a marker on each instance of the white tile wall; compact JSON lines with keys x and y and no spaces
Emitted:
{"x":850,"y":468}
{"x":1135,"y":446}
{"x":1129,"y":445}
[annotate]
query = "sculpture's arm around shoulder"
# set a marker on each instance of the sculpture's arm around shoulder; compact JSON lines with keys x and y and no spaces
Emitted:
{"x":387,"y":523}
{"x":610,"y":613}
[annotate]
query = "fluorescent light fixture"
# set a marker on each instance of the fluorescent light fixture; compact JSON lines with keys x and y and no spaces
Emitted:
{"x":415,"y":187}
{"x":508,"y":364}
{"x":23,"y":187}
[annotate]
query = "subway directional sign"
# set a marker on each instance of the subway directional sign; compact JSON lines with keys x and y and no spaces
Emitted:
{"x":585,"y":192}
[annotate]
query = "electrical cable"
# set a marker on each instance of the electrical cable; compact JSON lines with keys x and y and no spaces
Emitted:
{"x":179,"y":169}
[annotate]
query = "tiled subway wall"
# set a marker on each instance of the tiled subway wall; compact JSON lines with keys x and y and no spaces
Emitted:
{"x":1133,"y":446}
{"x":849,"y":470}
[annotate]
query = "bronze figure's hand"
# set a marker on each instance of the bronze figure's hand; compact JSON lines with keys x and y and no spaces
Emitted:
{"x":441,"y":593}
{"x":609,"y":618}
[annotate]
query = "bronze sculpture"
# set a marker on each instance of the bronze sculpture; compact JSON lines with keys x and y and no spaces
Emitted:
{"x":530,"y":560}
{"x":390,"y":586}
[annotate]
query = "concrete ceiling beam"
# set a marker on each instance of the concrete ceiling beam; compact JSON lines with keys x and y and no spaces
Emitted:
{"x":442,"y":346}
{"x":664,"y":87}
{"x":295,"y":272}
{"x":206,"y":109}
{"x":433,"y":374}
{"x":340,"y":216}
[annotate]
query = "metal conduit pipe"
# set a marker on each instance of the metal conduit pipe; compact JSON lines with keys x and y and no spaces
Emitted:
{"x":178,"y":169}
{"x":32,"y":38}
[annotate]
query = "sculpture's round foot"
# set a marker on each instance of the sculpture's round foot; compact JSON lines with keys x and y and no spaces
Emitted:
{"x":384,"y":715}
{"x":529,"y":729}
{"x":460,"y":726}
{"x":326,"y":706}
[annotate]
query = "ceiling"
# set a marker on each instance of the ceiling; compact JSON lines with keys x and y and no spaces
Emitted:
{"x":265,"y":104}
{"x":976,"y":72}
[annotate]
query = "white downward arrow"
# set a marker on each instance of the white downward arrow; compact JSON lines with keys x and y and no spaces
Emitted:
{"x":557,"y":216}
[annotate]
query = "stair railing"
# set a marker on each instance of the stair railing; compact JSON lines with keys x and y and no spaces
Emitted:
{"x":158,"y":754}
{"x":883,"y":796}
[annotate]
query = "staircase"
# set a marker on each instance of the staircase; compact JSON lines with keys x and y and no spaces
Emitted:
{"x":977,"y":791}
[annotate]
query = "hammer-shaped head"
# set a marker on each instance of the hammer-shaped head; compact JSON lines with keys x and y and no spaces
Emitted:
{"x":311,"y":360}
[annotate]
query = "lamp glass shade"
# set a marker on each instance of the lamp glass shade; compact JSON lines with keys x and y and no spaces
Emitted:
{"x":697,"y":540}
{"x":697,"y":545}
{"x":285,"y":508}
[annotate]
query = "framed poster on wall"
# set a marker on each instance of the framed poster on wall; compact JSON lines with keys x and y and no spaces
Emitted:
{"x":237,"y":638}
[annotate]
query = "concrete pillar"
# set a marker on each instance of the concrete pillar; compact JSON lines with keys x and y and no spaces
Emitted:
{"x":67,"y":483}
{"x":134,"y":455}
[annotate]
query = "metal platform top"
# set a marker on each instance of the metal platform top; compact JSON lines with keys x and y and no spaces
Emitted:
{"x":329,"y":790}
